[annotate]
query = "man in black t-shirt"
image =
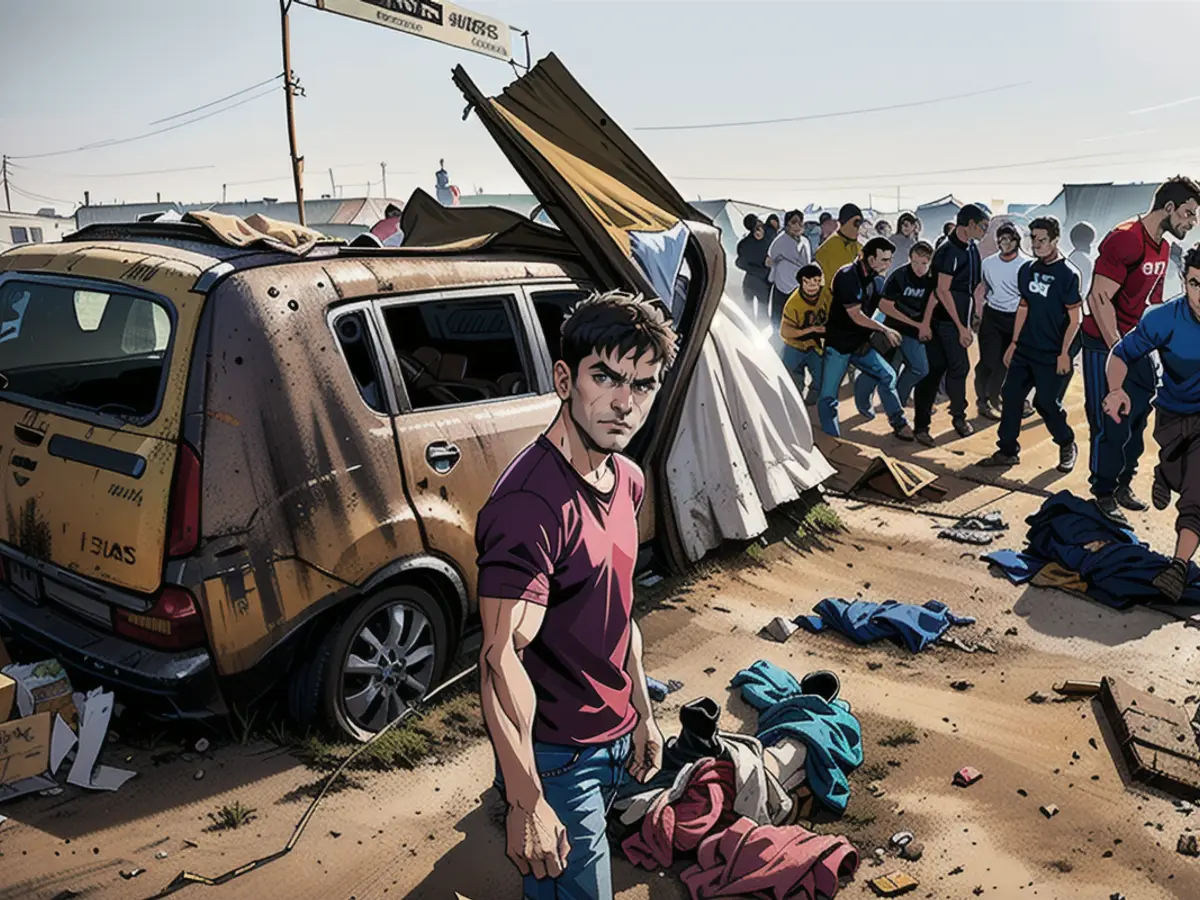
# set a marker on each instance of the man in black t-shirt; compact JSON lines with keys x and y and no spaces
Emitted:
{"x":752,"y":260}
{"x":958,"y":269}
{"x":848,"y":331}
{"x":907,"y":305}
{"x":1039,"y":356}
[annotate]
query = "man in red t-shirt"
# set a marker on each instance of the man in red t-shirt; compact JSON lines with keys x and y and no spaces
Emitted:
{"x":1128,"y":278}
{"x":563,"y":688}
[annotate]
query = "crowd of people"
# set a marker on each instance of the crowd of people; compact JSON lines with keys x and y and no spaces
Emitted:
{"x":903,"y":314}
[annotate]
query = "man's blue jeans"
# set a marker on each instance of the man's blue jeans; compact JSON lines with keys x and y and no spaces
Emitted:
{"x":580,"y":784}
{"x":797,"y":361}
{"x":868,"y":363}
{"x":916,"y":367}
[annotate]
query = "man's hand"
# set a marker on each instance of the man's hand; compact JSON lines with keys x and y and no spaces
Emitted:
{"x":924,"y":333}
{"x":1064,"y":364}
{"x":537,"y":840}
{"x":647,"y":756}
{"x":894,"y":338}
{"x":965,"y":337}
{"x":1117,"y":405}
{"x":1008,"y":355}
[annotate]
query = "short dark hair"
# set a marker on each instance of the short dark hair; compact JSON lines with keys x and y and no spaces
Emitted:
{"x":1048,"y":224}
{"x":1082,"y":234}
{"x":812,"y":270}
{"x":826,"y":216}
{"x":921,"y":248}
{"x":772,"y":216}
{"x":1178,"y":190}
{"x":793,"y":214}
{"x":750,"y":222}
{"x":849,"y":211}
{"x":877,"y":245}
{"x":970,"y":214}
{"x":1191,"y":259}
{"x":905,"y":218}
{"x":615,"y":323}
{"x":1010,"y":229}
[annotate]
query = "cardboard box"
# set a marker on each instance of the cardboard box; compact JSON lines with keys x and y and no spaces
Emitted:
{"x":8,"y":697}
{"x":44,"y":687}
{"x":25,"y":748}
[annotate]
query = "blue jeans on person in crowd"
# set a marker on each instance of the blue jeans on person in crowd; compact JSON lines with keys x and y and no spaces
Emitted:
{"x":1116,"y":447}
{"x":869,"y":363}
{"x":916,"y":367}
{"x":798,"y":361}
{"x":579,"y":784}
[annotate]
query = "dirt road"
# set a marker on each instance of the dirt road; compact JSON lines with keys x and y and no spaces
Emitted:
{"x":433,"y":831}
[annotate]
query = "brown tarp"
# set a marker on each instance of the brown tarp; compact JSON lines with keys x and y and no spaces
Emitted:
{"x":429,"y":225}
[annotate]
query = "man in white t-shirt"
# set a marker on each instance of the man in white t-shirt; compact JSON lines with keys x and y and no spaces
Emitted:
{"x":998,"y":295}
{"x":788,"y":254}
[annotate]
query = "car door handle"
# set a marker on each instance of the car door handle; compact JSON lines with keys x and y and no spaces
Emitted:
{"x":442,"y":456}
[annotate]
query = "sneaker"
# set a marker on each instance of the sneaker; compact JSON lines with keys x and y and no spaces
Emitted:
{"x":1172,"y":581}
{"x":1108,"y":506}
{"x":1129,"y":500}
{"x":964,"y":428}
{"x":903,"y":433}
{"x":1000,"y":460}
{"x":1028,"y":410}
{"x":924,"y":438}
{"x":1160,"y":494}
{"x":988,"y":411}
{"x":1067,"y":457}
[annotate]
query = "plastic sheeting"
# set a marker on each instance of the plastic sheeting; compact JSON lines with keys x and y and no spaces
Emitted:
{"x":744,"y":444}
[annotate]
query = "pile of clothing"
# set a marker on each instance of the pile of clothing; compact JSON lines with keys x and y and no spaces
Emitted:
{"x":864,"y":622}
{"x":728,"y":800}
{"x":1073,"y":546}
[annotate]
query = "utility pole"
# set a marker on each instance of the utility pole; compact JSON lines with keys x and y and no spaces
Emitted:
{"x":4,"y":178}
{"x":383,"y":168}
{"x":332,"y":185}
{"x":289,"y":88}
{"x":224,"y":188}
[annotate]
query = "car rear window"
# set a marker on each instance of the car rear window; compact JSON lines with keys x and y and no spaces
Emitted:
{"x":83,"y":347}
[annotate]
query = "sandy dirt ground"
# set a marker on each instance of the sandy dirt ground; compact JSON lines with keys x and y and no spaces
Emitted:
{"x":434,"y":831}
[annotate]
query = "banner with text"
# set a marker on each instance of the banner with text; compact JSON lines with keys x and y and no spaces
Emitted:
{"x":433,"y":19}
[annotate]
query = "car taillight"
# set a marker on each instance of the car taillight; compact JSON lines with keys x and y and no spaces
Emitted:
{"x":184,"y":526}
{"x":173,"y":623}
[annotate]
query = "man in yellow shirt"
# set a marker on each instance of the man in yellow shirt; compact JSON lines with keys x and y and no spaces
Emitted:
{"x":802,"y":328}
{"x":840,"y":249}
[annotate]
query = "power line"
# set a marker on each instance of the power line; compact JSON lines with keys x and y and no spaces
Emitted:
{"x":113,"y":143}
{"x":36,"y":198}
{"x":215,"y":102}
{"x":835,"y":115}
{"x":901,"y":175}
{"x":114,"y":174}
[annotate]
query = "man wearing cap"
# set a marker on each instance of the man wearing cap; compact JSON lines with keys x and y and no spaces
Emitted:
{"x":999,"y":296}
{"x":752,"y":260}
{"x":839,"y":249}
{"x":957,"y":268}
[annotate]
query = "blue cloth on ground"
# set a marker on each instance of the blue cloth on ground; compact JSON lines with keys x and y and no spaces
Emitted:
{"x":1120,"y":574}
{"x":829,"y":731}
{"x":865,"y":622}
{"x":1019,"y":567}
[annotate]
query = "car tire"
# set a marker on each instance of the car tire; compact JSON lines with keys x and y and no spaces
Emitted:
{"x":396,"y":617}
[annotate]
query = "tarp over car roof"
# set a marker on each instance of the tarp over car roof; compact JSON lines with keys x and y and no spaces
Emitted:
{"x":429,"y":225}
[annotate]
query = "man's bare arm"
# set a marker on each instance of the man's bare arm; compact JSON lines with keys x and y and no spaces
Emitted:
{"x":892,"y":311}
{"x":648,"y":741}
{"x":1100,"y":302}
{"x":863,"y":320}
{"x":1074,"y":320}
{"x":507,"y":695}
{"x":947,"y":299}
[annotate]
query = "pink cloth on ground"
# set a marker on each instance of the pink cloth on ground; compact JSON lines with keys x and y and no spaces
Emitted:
{"x":770,"y":862}
{"x":669,"y":828}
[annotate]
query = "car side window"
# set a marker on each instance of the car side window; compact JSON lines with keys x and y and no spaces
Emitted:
{"x":357,"y":348}
{"x":455,"y":350}
{"x":551,"y":307}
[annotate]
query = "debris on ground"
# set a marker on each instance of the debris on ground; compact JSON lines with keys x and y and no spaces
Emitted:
{"x":962,"y":685}
{"x":1188,"y":845}
{"x":1078,"y":688}
{"x":1155,"y":738}
{"x":912,"y":851}
{"x":202,"y":745}
{"x":659,"y":690}
{"x":894,"y":884}
{"x":967,"y":776}
{"x":861,"y":467}
{"x":961,"y":536}
{"x":779,"y":629}
{"x":1049,"y":810}
{"x":901,"y":839}
{"x":1037,"y":697}
{"x":131,"y":873}
{"x":161,"y":854}
{"x":976,"y":530}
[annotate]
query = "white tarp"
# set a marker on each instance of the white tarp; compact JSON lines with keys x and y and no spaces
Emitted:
{"x":744,"y":444}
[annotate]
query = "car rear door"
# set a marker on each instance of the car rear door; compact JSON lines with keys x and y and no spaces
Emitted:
{"x":473,"y":394}
{"x":92,"y":373}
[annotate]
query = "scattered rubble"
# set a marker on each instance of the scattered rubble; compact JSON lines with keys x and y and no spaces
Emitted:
{"x":962,"y":685}
{"x":1188,"y":845}
{"x":1049,"y":810}
{"x":131,"y":873}
{"x":894,"y":884}
{"x":967,"y":776}
{"x":1037,"y":697}
{"x":779,"y":629}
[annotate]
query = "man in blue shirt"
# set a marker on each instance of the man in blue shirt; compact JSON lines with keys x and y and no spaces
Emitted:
{"x":1173,"y":329}
{"x":1039,"y":356}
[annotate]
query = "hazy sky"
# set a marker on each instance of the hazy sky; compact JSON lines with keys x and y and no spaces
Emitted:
{"x":92,"y":71}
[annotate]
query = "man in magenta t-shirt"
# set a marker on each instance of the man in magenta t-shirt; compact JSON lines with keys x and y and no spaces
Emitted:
{"x":563,"y":689}
{"x":1127,"y":279}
